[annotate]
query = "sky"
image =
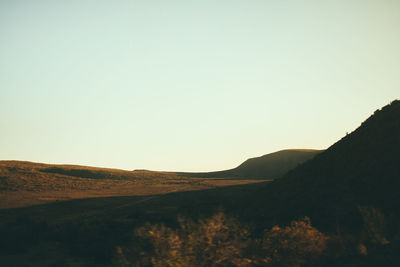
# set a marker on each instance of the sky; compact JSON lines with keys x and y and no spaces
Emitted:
{"x":189,"y":85}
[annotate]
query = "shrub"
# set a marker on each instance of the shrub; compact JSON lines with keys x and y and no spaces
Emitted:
{"x":293,"y":245}
{"x":216,"y":241}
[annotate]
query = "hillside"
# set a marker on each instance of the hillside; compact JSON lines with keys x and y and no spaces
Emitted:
{"x":269,"y":166}
{"x":361,"y":169}
{"x":26,"y":183}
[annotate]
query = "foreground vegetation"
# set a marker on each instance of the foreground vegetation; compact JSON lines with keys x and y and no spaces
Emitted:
{"x":144,"y":231}
{"x":222,"y":240}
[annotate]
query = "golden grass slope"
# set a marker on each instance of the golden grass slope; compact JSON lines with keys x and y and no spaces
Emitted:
{"x":26,"y":183}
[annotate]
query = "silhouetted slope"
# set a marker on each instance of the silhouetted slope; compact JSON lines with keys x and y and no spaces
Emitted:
{"x":275,"y":164}
{"x":270,"y":166}
{"x":363,"y":168}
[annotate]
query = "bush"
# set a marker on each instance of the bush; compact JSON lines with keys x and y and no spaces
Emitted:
{"x":216,"y":241}
{"x":293,"y":245}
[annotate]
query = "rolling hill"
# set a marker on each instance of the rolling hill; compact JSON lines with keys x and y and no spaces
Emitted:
{"x":26,"y":183}
{"x":269,"y":166}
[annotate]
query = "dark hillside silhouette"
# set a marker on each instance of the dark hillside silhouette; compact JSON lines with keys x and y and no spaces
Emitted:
{"x":362,"y":169}
{"x":269,"y":166}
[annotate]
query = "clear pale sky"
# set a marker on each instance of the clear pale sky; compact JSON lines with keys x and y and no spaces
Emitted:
{"x":189,"y":85}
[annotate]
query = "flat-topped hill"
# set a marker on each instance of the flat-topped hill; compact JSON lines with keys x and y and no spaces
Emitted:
{"x":269,"y":166}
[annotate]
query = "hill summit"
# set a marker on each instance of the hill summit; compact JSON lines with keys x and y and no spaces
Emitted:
{"x":269,"y":166}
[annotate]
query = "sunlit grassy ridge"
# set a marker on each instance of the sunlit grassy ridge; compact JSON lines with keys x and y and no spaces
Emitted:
{"x":27,"y":183}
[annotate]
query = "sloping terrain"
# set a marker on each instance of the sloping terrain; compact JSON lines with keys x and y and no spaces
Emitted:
{"x":27,"y":183}
{"x":362,"y":169}
{"x":269,"y":166}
